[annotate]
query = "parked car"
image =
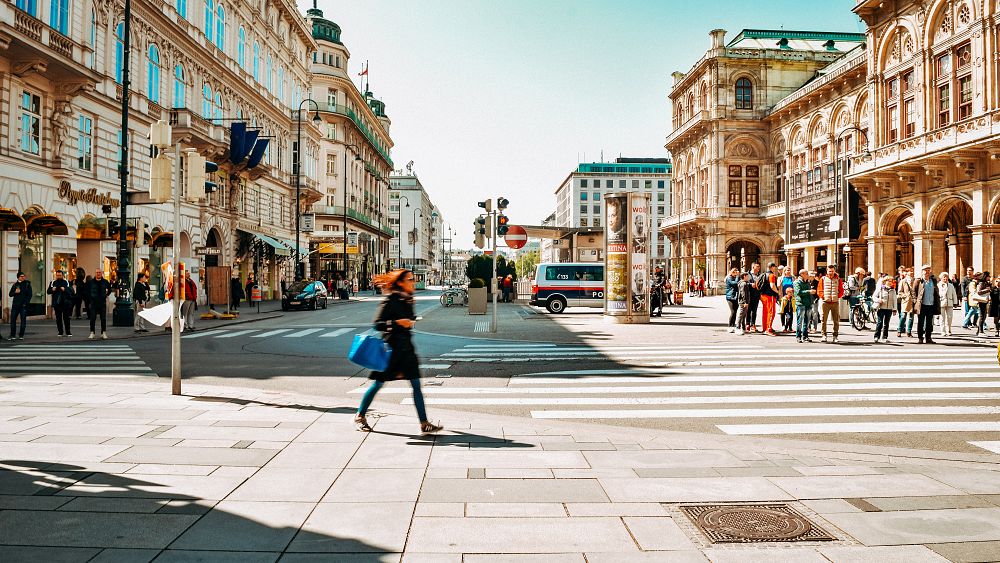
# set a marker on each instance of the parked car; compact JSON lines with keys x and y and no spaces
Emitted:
{"x":304,"y":295}
{"x":557,"y":286}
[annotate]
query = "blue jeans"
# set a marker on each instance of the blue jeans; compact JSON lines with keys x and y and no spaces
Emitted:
{"x":418,"y":398}
{"x":15,"y":312}
{"x":971,"y":315}
{"x":905,"y":321}
{"x":802,"y":315}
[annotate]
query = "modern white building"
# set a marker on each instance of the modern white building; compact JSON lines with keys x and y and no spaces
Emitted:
{"x":579,"y":199}
{"x":416,"y":220}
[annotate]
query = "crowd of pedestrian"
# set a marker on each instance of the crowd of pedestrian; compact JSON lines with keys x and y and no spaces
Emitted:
{"x":811,"y":301}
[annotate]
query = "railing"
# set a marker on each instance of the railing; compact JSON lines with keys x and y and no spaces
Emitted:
{"x":338,"y":210}
{"x":774,"y":209}
{"x":61,"y":44}
{"x":360,"y":124}
{"x":695,"y":118}
{"x":853,"y":63}
{"x":28,"y":25}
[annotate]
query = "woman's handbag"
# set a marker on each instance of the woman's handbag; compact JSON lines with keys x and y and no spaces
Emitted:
{"x":370,"y":351}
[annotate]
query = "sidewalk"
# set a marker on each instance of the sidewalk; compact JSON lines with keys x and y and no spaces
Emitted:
{"x":120,"y":470}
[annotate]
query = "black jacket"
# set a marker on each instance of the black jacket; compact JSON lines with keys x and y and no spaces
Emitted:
{"x":236,"y":289}
{"x":61,"y":292}
{"x":403,"y":363}
{"x":98,"y":291}
{"x":22,"y":298}
{"x":140,"y":293}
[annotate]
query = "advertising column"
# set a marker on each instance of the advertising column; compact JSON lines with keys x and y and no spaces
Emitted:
{"x":626,"y":270}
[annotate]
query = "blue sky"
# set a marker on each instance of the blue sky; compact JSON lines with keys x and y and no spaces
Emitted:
{"x":492,"y":97}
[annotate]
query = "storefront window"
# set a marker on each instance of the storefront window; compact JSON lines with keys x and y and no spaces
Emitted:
{"x":31,"y":261}
{"x":31,"y":118}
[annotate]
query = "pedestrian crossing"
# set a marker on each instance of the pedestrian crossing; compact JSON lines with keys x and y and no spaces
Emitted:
{"x":91,"y":360}
{"x":257,"y":333}
{"x":745,"y":389}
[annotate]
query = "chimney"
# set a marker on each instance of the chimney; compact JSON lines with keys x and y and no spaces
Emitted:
{"x":718,"y":38}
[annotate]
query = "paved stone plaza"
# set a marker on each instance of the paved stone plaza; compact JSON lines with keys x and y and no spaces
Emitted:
{"x":118,"y":470}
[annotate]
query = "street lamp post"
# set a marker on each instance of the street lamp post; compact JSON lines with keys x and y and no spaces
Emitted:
{"x":123,"y":314}
{"x":399,"y":232}
{"x":839,"y":206}
{"x":299,"y":269}
{"x":416,"y":236}
{"x":356,"y":157}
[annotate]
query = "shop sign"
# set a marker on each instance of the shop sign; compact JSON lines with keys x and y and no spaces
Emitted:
{"x":352,"y":243}
{"x":208,"y":251}
{"x":85,"y":195}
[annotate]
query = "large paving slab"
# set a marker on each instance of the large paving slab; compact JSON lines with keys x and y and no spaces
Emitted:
{"x":376,"y":485}
{"x":533,"y":535}
{"x":722,"y":489}
{"x":89,"y":529}
{"x":863,"y":486}
{"x":194,"y":456}
{"x":921,"y":526}
{"x":512,"y":490}
{"x":355,"y":528}
{"x":496,"y":458}
{"x":246,"y":526}
{"x":664,"y":458}
{"x":286,"y":485}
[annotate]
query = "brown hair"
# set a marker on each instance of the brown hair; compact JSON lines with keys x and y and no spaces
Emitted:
{"x":389,"y":281}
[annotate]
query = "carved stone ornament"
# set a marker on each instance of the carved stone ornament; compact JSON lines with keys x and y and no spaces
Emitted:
{"x":964,"y":15}
{"x":945,"y":27}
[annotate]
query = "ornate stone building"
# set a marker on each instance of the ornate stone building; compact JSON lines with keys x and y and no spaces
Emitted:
{"x":895,"y":131}
{"x":199,"y":65}
{"x":355,"y":151}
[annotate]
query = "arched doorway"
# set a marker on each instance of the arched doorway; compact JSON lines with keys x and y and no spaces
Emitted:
{"x":954,"y":218}
{"x":898,"y":223}
{"x":214,"y":240}
{"x":741,"y":254}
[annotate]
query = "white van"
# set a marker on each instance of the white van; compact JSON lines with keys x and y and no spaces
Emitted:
{"x":560,"y":285}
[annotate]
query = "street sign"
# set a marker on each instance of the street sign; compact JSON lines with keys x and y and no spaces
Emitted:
{"x":307,"y":222}
{"x":516,"y":237}
{"x":207,"y":250}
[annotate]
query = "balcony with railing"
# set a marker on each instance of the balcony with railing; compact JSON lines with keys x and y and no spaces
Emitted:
{"x":37,"y":47}
{"x":686,"y":216}
{"x":203,"y":134}
{"x":688,"y":126}
{"x":372,"y":138}
{"x":338,"y":211}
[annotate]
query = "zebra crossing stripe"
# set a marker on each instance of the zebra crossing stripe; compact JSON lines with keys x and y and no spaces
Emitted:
{"x":301,"y":333}
{"x":132,"y":366}
{"x":201,"y":334}
{"x":858,"y":427}
{"x":271,"y":333}
{"x":729,"y":376}
{"x":989,"y":446}
{"x":769,"y":413}
{"x":337,"y":332}
{"x":43,"y":347}
{"x":237,"y":333}
{"x":618,"y":390}
{"x":704,"y":400}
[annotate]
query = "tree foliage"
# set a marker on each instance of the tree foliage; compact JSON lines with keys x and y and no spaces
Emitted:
{"x":526,"y":263}
{"x":482,"y":267}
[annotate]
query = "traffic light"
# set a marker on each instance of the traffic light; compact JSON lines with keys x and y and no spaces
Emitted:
{"x":502,"y":203}
{"x":196,"y":168}
{"x":112,"y":228}
{"x":487,"y":205}
{"x":502,"y":221}
{"x":161,"y":178}
{"x":480,"y":230}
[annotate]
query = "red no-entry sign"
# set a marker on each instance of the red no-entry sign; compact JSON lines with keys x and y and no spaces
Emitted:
{"x":516,"y":237}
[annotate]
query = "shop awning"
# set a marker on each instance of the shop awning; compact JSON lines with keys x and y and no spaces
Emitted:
{"x":11,"y":221}
{"x":46,"y":225}
{"x":162,"y":239}
{"x":290,"y":244}
{"x":279,"y":249}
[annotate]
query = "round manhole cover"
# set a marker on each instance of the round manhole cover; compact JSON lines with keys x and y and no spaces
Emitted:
{"x":754,"y":523}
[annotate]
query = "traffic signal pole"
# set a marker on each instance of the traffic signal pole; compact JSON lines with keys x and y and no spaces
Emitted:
{"x":175,"y":313}
{"x":493,"y":280}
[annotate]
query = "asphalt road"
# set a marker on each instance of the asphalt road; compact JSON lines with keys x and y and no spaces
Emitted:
{"x":682,"y":373}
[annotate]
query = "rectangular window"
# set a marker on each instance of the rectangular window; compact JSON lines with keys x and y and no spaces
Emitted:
{"x":635,"y":184}
{"x":943,"y":65}
{"x":892,"y":88}
{"x":908,"y":82}
{"x":963,"y":56}
{"x":583,"y":196}
{"x":778,"y":179}
{"x":910,"y":124}
{"x":892,"y":133}
{"x":753,"y":194}
{"x":621,"y":184}
{"x":331,"y":99}
{"x":965,"y":97}
{"x":753,"y":171}
{"x":596,"y":196}
{"x":597,"y":221}
{"x":295,"y":157}
{"x":85,"y":144}
{"x":660,"y":196}
{"x":331,"y":165}
{"x":829,"y":173}
{"x":609,"y":184}
{"x":648,"y":184}
{"x":660,"y":184}
{"x":31,"y":122}
{"x":659,"y":209}
{"x":583,"y":183}
{"x":583,"y":222}
{"x":735,"y":193}
{"x":583,"y":209}
{"x":596,"y":209}
{"x":944,"y":105}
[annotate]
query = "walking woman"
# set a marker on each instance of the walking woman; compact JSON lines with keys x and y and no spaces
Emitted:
{"x":395,"y":319}
{"x":982,"y":297}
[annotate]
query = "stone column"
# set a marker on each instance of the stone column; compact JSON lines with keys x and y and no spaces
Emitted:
{"x":929,"y":248}
{"x":715,"y":263}
{"x":793,"y":258}
{"x":985,"y":245}
{"x":809,"y":258}
{"x":963,"y":253}
{"x":882,"y":254}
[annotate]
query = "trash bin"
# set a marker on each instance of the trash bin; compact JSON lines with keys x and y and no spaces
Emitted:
{"x":678,"y":298}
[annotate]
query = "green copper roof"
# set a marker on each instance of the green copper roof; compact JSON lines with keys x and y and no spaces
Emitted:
{"x":777,"y":34}
{"x":323,"y":29}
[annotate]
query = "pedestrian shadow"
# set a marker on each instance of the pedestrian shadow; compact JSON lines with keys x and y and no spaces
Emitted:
{"x":63,"y":512}
{"x":455,"y":438}
{"x":295,"y":406}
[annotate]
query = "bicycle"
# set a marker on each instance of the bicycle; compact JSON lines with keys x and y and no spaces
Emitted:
{"x":453,"y":296}
{"x":862,"y":314}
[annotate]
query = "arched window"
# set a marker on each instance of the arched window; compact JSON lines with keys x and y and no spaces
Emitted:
{"x":206,"y":101}
{"x":93,"y":38}
{"x":241,"y":48}
{"x":59,"y":16}
{"x":153,"y":75}
{"x":180,"y":87}
{"x":29,"y":6}
{"x":218,"y":105}
{"x":267,"y":76}
{"x":220,"y":27}
{"x":119,"y":50}
{"x":256,"y":61}
{"x":281,"y":83}
{"x":209,"y":18}
{"x":744,"y":94}
{"x":182,"y":8}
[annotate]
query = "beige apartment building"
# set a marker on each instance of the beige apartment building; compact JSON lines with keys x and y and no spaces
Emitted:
{"x":199,"y":64}
{"x":894,"y":131}
{"x":355,"y":151}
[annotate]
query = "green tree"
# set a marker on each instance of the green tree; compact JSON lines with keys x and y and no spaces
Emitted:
{"x":527,"y":262}
{"x":482,"y":267}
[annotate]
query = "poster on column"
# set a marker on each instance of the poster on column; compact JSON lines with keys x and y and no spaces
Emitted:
{"x":639,"y":244}
{"x":616,"y":270}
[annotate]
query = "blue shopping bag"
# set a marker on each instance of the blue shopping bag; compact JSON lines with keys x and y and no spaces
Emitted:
{"x":370,"y":351}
